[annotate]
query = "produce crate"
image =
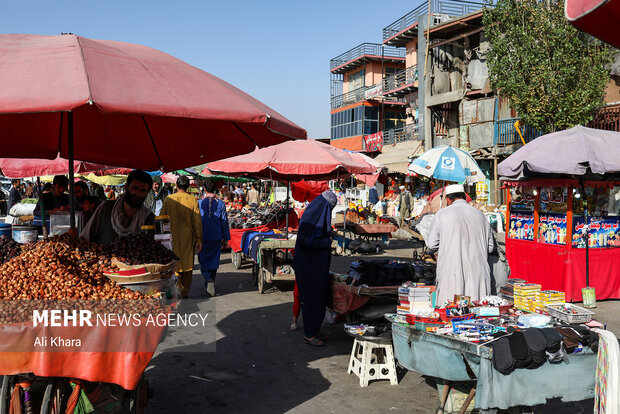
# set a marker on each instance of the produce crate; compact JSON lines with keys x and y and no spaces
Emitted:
{"x":581,"y":315}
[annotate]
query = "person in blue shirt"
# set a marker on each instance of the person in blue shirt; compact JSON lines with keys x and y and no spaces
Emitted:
{"x":215,"y":231}
{"x":373,"y":195}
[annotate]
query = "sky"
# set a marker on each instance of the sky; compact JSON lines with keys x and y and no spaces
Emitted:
{"x":276,"y":51}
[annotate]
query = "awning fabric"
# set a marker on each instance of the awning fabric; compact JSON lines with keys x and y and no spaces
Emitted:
{"x":395,"y":157}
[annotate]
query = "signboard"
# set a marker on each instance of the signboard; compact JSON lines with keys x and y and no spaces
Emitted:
{"x":521,"y":226}
{"x":552,"y":229}
{"x":374,"y":91}
{"x":604,"y":232}
{"x":374,"y":142}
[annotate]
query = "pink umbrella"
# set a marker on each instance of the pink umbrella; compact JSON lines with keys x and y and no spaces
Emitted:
{"x":598,"y":17}
{"x":370,"y":179}
{"x":19,"y":168}
{"x":294,"y":161}
{"x":123,"y":104}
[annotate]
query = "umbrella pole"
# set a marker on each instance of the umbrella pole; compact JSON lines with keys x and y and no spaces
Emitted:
{"x":42,"y":207}
{"x":288,"y":188}
{"x":71,"y":175}
{"x":587,"y":247}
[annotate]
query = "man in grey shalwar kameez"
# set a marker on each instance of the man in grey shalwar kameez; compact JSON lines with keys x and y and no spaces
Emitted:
{"x":463,"y":236}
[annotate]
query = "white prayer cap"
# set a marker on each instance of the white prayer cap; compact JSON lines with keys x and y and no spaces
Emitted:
{"x":455,"y":188}
{"x":402,"y":187}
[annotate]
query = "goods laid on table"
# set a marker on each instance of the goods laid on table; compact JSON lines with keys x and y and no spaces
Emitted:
{"x":518,"y":339}
{"x":390,"y":273}
{"x":256,"y":217}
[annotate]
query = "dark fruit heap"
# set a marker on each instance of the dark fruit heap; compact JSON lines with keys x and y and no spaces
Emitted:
{"x":9,"y":248}
{"x":138,"y":249}
{"x":59,"y":268}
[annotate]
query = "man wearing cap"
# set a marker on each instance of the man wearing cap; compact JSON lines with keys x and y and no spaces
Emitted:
{"x":463,"y":237}
{"x":405,"y":205}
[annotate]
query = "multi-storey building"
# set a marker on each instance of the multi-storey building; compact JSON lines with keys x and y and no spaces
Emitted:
{"x":428,"y":85}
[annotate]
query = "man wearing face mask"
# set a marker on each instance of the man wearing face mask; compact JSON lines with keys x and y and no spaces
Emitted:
{"x":122,"y":216}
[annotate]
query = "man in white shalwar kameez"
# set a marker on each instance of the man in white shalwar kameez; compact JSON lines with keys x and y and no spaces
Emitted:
{"x":463,"y":237}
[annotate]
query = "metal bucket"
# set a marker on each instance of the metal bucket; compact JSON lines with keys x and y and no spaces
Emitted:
{"x":25,"y":234}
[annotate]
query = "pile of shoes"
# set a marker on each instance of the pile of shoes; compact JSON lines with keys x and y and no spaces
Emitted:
{"x":364,"y":246}
{"x":257,"y":216}
{"x":390,"y":273}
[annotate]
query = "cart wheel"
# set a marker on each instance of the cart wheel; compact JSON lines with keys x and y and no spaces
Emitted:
{"x":138,"y":397}
{"x":8,"y":382}
{"x":261,"y":281}
{"x":236,"y":259}
{"x":55,"y":397}
{"x":255,"y":272}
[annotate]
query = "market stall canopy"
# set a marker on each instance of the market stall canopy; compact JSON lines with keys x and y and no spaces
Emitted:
{"x":395,"y":157}
{"x":598,"y":17}
{"x":106,"y":179}
{"x":308,"y":190}
{"x":448,"y":163}
{"x":294,"y":160}
{"x":20,"y":167}
{"x":574,"y":151}
{"x":123,"y":104}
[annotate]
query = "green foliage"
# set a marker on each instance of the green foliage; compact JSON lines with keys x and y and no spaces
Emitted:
{"x":553,"y":74}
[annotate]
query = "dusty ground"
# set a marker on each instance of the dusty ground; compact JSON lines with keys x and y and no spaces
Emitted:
{"x":259,"y":366}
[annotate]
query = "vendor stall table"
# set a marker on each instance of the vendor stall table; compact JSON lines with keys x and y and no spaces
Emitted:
{"x":454,"y":360}
{"x":266,"y":269}
{"x":367,"y":231}
{"x":236,"y":253}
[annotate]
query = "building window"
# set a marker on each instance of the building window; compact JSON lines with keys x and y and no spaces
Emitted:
{"x":356,"y":80}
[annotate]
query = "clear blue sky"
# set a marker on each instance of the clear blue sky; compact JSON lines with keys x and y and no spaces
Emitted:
{"x":277,"y":51}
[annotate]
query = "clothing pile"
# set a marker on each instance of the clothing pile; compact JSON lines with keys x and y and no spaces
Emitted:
{"x":390,"y":273}
{"x":530,"y":348}
{"x":257,"y":216}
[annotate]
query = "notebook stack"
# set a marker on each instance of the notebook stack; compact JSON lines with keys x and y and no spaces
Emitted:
{"x":413,"y":299}
{"x":548,"y":297}
{"x":526,"y":296}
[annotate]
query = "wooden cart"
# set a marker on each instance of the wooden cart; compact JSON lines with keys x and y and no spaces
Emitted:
{"x":273,"y":253}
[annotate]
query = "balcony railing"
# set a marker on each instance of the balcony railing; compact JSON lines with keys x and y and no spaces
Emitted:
{"x":406,"y":133}
{"x":401,"y":78}
{"x":372,"y":49}
{"x":607,"y":118}
{"x":451,"y":8}
{"x":349,"y":98}
{"x":505,"y":132}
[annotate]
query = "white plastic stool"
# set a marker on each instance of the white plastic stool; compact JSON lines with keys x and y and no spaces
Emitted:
{"x":373,"y":360}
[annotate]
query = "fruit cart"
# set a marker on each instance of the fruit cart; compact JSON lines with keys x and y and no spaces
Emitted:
{"x":274,"y":262}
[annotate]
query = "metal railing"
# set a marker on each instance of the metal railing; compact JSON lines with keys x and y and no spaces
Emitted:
{"x":400,"y":78}
{"x":451,"y":8}
{"x":406,"y":133}
{"x":373,"y":49}
{"x":349,"y":98}
{"x":505,"y":132}
{"x":607,"y":118}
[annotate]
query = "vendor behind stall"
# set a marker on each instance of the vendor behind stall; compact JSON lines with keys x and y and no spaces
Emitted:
{"x":123,"y":216}
{"x":463,"y":236}
{"x":57,"y":200}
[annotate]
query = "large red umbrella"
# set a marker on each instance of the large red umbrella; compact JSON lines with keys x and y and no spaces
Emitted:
{"x":19,"y":167}
{"x":598,"y":17}
{"x":123,"y":104}
{"x":370,"y":179}
{"x":294,"y":161}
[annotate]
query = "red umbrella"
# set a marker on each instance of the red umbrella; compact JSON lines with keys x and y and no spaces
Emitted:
{"x":294,"y":160}
{"x":370,"y":179}
{"x":598,"y":17}
{"x":308,"y":190}
{"x":19,"y":168}
{"x":123,"y":104}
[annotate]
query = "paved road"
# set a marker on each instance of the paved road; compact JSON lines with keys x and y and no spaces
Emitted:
{"x":251,"y":362}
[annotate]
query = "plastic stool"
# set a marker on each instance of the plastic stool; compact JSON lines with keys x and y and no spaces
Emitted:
{"x":373,"y":359}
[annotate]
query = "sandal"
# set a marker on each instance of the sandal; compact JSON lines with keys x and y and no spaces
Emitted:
{"x":316,"y":341}
{"x":293,"y":327}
